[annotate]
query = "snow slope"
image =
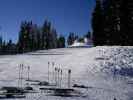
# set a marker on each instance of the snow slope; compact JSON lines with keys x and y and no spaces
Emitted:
{"x":106,"y":70}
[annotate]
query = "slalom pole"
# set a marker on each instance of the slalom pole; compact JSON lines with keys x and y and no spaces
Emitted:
{"x":48,"y":70}
{"x":22,"y":66}
{"x":53,"y":71}
{"x":69,"y":78}
{"x":28,"y":78}
{"x":61,"y":78}
{"x":58,"y":81}
{"x":19,"y":74}
{"x":20,"y":69}
{"x":55,"y":76}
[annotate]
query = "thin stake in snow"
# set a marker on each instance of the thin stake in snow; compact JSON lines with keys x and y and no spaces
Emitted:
{"x":48,"y":71}
{"x":61,"y":78}
{"x":58,"y":77}
{"x":55,"y":76}
{"x":53,"y":71}
{"x":21,"y":79}
{"x":28,"y":72}
{"x":20,"y":75}
{"x":69,"y":78}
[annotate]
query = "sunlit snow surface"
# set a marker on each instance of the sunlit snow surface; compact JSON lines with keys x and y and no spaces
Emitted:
{"x":93,"y":67}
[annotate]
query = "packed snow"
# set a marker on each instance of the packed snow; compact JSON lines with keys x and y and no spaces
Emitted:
{"x":107,"y":71}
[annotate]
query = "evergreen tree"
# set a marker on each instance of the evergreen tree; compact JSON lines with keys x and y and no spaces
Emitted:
{"x":45,"y":35}
{"x":127,"y":21}
{"x":53,"y":38}
{"x":49,"y":36}
{"x":61,"y":42}
{"x":112,"y":22}
{"x":1,"y":43}
{"x":26,"y":37}
{"x":33,"y":37}
{"x":88,"y":35}
{"x":71,"y":38}
{"x":4,"y":49}
{"x":38,"y":40}
{"x":9,"y":47}
{"x":23,"y":37}
{"x":97,"y":24}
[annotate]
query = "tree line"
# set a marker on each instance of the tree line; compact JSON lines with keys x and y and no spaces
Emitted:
{"x":112,"y":22}
{"x":7,"y":47}
{"x":33,"y":37}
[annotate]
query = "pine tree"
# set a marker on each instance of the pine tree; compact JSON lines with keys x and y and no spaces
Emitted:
{"x":112,"y":22}
{"x":109,"y":23}
{"x":49,"y":36}
{"x":54,"y":38}
{"x":45,"y":33}
{"x":38,"y":40}
{"x":4,"y":49}
{"x":97,"y":24}
{"x":88,"y":35}
{"x":26,"y":37}
{"x":71,"y":38}
{"x":20,"y":43}
{"x":9,"y":47}
{"x":127,"y":21}
{"x":61,"y":42}
{"x":1,"y":43}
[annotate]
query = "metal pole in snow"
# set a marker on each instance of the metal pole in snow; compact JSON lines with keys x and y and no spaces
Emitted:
{"x":61,"y":77}
{"x":28,"y":73}
{"x":53,"y":72}
{"x":48,"y":71}
{"x":55,"y":76}
{"x":22,"y":66}
{"x":69,"y":78}
{"x":19,"y":75}
{"x":58,"y":77}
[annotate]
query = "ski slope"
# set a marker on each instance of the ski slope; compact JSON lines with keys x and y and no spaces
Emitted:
{"x":99,"y":68}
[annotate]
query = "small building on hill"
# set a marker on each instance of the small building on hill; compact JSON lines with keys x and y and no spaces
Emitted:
{"x":82,"y":43}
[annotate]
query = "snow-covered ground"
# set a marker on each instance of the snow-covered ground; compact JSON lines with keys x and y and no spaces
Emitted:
{"x":107,"y":71}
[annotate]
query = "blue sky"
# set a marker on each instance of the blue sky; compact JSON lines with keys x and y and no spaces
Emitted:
{"x":66,"y":15}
